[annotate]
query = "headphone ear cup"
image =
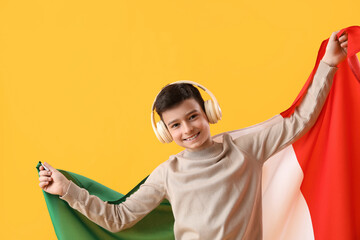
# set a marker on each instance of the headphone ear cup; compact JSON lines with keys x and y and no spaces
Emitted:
{"x":163,"y":133}
{"x":210,"y":111}
{"x":217,"y":111}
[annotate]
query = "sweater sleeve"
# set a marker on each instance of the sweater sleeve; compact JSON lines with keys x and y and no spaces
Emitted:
{"x":116,"y":217}
{"x":264,"y":143}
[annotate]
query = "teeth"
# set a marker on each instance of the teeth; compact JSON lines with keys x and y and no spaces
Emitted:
{"x":189,"y":139}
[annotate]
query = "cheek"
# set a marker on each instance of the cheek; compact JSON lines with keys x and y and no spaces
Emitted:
{"x":175,"y":134}
{"x":205,"y":125}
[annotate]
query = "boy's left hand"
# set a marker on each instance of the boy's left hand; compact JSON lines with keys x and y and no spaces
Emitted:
{"x":336,"y":49}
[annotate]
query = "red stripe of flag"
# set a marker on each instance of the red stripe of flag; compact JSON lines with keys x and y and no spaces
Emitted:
{"x":329,"y":154}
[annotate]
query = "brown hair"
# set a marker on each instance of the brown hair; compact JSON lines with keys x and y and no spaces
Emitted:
{"x":174,"y":94}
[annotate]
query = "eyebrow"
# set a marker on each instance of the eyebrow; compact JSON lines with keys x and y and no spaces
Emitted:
{"x":191,"y":112}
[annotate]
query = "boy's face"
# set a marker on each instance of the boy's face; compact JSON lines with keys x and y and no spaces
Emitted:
{"x":188,"y":125}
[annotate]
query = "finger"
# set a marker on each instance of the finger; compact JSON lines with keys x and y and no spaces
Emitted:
{"x":45,"y":179}
{"x":43,"y":184}
{"x":343,"y":38}
{"x":45,"y":173}
{"x":41,"y":168}
{"x":49,"y":167}
{"x":344,"y":44}
{"x":333,"y":36}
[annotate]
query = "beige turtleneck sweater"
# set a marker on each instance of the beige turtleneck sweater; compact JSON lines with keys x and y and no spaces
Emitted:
{"x":215,"y":193}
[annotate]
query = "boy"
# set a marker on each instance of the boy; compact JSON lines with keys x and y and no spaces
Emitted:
{"x":214,"y":188}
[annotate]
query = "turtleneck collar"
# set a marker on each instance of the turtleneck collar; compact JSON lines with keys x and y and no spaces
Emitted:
{"x":209,"y":152}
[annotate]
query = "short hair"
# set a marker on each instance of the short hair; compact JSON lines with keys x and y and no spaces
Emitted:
{"x":174,"y":94}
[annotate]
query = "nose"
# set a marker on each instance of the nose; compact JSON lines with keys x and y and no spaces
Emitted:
{"x":188,"y":128}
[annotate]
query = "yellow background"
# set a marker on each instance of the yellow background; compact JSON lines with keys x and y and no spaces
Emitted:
{"x":78,"y":79}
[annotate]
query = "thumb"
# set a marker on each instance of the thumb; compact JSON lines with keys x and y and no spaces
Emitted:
{"x":333,"y":35}
{"x":50,"y":167}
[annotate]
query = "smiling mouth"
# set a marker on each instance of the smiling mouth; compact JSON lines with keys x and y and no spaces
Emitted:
{"x":192,"y":138}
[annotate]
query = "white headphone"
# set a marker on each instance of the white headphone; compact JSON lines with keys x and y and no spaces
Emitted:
{"x":212,"y":111}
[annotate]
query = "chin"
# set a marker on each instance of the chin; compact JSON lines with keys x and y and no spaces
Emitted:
{"x":197,"y":146}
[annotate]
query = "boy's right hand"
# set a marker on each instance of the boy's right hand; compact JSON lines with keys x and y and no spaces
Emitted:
{"x":336,"y":49}
{"x":53,"y":181}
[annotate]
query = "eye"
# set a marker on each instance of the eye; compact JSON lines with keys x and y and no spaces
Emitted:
{"x":175,"y":125}
{"x":193,"y":116}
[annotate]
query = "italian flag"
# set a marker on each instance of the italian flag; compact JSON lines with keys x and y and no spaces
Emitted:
{"x":310,"y":188}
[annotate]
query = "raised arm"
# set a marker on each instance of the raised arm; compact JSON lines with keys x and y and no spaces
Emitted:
{"x":113,"y":217}
{"x":263,"y":144}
